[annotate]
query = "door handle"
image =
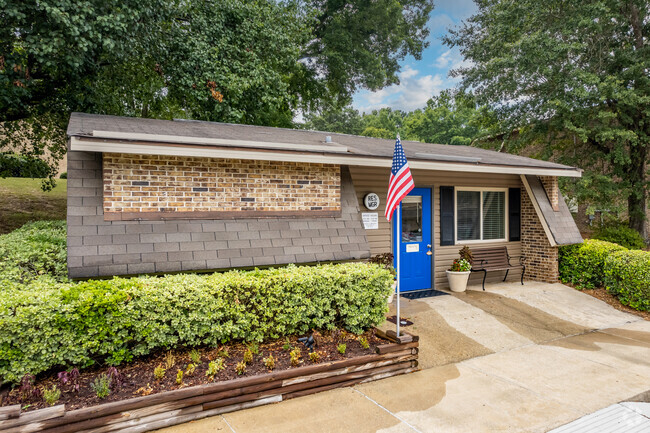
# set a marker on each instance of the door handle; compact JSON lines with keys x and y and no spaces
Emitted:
{"x":429,"y":253}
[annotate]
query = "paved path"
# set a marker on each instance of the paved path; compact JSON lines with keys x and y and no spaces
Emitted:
{"x":513,"y":359}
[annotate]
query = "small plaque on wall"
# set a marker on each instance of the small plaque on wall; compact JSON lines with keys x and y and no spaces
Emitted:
{"x":371,"y":201}
{"x":370,"y":220}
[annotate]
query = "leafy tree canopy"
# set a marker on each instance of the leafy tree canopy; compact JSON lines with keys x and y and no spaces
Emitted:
{"x":253,"y":62}
{"x":573,"y":75}
{"x":449,"y":118}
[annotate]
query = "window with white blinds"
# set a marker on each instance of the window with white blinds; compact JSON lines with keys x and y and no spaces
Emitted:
{"x":480,"y":215}
{"x":494,"y":215}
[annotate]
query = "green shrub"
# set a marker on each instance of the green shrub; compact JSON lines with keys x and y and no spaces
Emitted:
{"x":47,"y":325}
{"x":14,"y":165}
{"x":35,"y":250}
{"x":583,"y":265}
{"x":627,"y":276}
{"x":621,"y":235}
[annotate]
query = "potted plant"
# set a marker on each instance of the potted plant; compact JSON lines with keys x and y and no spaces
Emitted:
{"x":458,"y":274}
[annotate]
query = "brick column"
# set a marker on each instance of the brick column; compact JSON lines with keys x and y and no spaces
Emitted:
{"x":541,"y":258}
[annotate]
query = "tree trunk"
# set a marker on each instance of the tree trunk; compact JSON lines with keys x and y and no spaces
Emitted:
{"x":637,"y":202}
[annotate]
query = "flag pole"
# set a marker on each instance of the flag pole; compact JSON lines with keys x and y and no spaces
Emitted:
{"x":399,"y":249}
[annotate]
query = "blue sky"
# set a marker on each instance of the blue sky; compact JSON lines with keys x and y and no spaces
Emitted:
{"x":419,"y":80}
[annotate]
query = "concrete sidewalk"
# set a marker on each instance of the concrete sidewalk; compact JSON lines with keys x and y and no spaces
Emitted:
{"x":515,"y":358}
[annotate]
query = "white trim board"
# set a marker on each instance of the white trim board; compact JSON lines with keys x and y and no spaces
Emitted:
{"x":108,"y":146}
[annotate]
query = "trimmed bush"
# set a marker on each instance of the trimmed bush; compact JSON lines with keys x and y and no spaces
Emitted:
{"x":36,"y":250}
{"x":621,"y":235}
{"x":47,"y":325}
{"x":14,"y":165}
{"x":627,"y":276}
{"x":583,"y":265}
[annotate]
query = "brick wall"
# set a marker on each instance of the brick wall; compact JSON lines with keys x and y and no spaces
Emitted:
{"x":541,"y":258}
{"x":97,"y":247}
{"x":161,"y":183}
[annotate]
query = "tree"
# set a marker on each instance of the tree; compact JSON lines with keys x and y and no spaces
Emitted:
{"x":450,"y":118}
{"x":575,"y":73}
{"x":254,"y":62}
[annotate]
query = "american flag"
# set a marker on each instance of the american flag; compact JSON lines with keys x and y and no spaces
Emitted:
{"x":401,"y":181}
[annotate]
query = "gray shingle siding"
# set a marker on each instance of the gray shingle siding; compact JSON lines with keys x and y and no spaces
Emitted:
{"x":102,"y":248}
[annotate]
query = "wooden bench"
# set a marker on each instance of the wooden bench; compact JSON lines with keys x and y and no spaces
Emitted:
{"x":495,"y":259}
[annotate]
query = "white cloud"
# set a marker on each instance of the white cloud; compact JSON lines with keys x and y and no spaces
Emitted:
{"x":450,"y":59}
{"x":413,"y":92}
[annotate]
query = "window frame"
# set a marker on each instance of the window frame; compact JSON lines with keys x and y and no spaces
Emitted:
{"x":505,"y":216}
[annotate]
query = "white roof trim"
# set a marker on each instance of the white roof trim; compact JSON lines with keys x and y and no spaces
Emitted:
{"x":538,"y":211}
{"x":329,"y":147}
{"x":106,"y":146}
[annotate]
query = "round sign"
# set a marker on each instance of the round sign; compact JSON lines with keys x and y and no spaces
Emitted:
{"x":371,"y":201}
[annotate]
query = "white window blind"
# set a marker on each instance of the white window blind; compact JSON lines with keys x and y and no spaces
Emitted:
{"x":468,"y":215}
{"x":494,"y":215}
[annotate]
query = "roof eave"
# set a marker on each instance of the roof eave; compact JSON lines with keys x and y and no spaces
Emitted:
{"x":90,"y":144}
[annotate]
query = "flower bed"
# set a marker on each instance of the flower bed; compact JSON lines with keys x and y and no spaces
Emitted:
{"x":170,"y":404}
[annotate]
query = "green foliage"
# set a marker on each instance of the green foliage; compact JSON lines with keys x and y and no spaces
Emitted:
{"x":253,"y":62}
{"x":363,"y":341}
{"x":287,"y":344}
{"x":248,"y":356}
{"x":195,"y":356}
{"x":583,"y":265}
{"x":159,"y":372}
{"x":460,"y":265}
{"x":51,"y":395}
{"x":170,"y":360}
{"x":240,"y":368}
{"x":621,"y":235}
{"x":269,"y":362}
{"x":254,"y":348}
{"x":341,"y":348}
{"x":314,"y":357}
{"x":14,"y":165}
{"x":295,"y":356}
{"x":189,"y":370}
{"x":215,"y":367}
{"x":101,"y":386}
{"x":179,"y":377}
{"x":450,"y":118}
{"x":36,"y":250}
{"x":572,"y":78}
{"x":627,"y":276}
{"x":46,"y":325}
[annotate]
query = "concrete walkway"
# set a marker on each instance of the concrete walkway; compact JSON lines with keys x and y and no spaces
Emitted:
{"x":512,"y":359}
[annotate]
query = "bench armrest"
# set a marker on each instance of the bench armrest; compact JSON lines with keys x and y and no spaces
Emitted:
{"x":521,"y":259}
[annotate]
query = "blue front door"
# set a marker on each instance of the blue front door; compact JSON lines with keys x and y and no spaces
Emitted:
{"x":415,"y":241}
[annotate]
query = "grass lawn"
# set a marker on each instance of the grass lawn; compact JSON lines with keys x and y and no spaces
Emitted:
{"x":23,"y":200}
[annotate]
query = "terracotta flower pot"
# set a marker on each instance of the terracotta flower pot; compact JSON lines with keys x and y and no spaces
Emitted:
{"x":458,"y":280}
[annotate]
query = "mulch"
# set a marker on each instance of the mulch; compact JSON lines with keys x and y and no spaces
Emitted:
{"x":136,"y":378}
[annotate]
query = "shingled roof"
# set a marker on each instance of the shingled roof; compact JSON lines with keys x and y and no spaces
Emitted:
{"x":561,"y":226}
{"x":103,"y":128}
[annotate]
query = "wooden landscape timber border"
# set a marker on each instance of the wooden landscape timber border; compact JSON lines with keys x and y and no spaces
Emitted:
{"x":169,"y":408}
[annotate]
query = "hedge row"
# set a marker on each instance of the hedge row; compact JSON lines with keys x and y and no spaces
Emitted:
{"x":624,"y":273}
{"x":16,"y":165}
{"x":627,"y":276}
{"x":36,"y":250}
{"x":48,"y":325}
{"x":583,"y":265}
